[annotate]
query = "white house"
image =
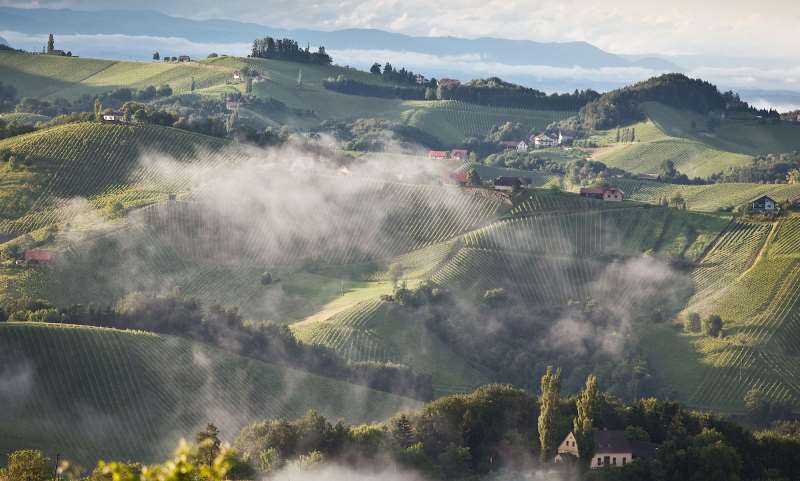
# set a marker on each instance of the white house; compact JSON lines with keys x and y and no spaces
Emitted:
{"x":237,"y":75}
{"x":522,"y":146}
{"x":611,"y":449}
{"x":543,"y":141}
{"x":764,"y":204}
{"x":564,"y":139}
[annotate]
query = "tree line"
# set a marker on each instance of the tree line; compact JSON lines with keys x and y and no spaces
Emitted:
{"x":288,"y":49}
{"x":491,"y":92}
{"x":227,"y":329}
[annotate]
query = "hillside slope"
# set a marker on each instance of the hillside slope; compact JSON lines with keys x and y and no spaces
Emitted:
{"x":684,"y":138}
{"x":91,"y":393}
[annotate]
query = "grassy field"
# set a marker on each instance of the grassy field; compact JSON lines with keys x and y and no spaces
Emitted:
{"x":91,"y":393}
{"x":683,"y":138}
{"x":50,"y":76}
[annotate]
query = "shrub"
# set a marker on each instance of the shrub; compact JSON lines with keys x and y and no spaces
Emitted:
{"x":692,"y":323}
{"x":712,"y":325}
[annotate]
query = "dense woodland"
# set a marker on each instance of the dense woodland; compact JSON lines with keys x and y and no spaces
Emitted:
{"x":621,"y":106}
{"x":496,"y":432}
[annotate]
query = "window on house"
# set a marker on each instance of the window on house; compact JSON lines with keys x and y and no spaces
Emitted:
{"x":623,"y":460}
{"x":614,"y":461}
{"x":599,"y":461}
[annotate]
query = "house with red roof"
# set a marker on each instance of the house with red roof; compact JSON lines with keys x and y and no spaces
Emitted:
{"x":38,"y":256}
{"x":438,"y":154}
{"x":609,"y":194}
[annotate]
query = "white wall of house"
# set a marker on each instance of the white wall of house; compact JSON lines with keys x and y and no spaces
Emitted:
{"x":614,"y":459}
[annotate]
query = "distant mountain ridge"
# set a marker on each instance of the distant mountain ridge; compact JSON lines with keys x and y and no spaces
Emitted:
{"x":152,"y":23}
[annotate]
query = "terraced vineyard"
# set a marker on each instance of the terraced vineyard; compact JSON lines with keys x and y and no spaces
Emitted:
{"x":100,"y":162}
{"x":707,"y":198}
{"x":751,"y":278}
{"x":454,"y":120}
{"x":380,"y":331}
{"x":91,"y":393}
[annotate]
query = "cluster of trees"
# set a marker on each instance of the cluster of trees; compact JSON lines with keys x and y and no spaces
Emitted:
{"x":401,"y":76}
{"x":225,"y":328}
{"x":348,"y":86}
{"x":495,"y":92}
{"x":621,"y":106}
{"x":8,"y":97}
{"x":499,"y":431}
{"x":710,"y":325}
{"x":112,"y":99}
{"x":288,"y":49}
{"x":671,"y":175}
{"x":10,"y":129}
{"x":772,"y":168}
{"x":376,"y":135}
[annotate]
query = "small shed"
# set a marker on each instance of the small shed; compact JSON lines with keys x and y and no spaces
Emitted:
{"x":764,"y":204}
{"x":608,"y":194}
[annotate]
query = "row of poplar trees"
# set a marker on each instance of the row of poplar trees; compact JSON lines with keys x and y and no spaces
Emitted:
{"x":586,"y":406}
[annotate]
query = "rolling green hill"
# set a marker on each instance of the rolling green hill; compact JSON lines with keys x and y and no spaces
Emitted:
{"x":684,"y":138}
{"x":752,"y":279}
{"x":91,"y":393}
{"x":46,"y":76}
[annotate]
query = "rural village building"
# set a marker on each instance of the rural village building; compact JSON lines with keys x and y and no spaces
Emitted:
{"x":512,"y":183}
{"x":114,"y":117}
{"x":184,"y":58}
{"x":438,"y":154}
{"x":447,"y":83}
{"x":458,"y":177}
{"x":764,"y":203}
{"x":420,"y":79}
{"x":611,"y":449}
{"x":564,"y":139}
{"x":39,"y":256}
{"x":460,"y":154}
{"x":609,"y":194}
{"x":543,"y":141}
{"x":795,"y":202}
{"x":237,"y":75}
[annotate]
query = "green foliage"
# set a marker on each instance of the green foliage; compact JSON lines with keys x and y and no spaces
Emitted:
{"x":692,"y":322}
{"x":548,"y":412}
{"x":27,"y":465}
{"x":587,"y":406}
{"x":208,"y":445}
{"x":712,"y":325}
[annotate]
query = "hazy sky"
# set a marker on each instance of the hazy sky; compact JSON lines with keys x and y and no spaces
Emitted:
{"x":766,"y":28}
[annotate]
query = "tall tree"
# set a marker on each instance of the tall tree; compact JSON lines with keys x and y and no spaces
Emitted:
{"x":51,"y":43}
{"x":375,"y":69}
{"x":156,"y":56}
{"x":208,"y":445}
{"x":583,"y":423}
{"x":550,"y":386}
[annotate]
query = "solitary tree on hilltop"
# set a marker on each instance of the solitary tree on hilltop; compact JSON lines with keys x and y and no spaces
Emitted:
{"x":548,"y":411}
{"x":156,"y":56}
{"x":375,"y":69}
{"x":51,"y":43}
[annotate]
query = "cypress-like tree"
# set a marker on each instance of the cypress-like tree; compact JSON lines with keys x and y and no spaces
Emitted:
{"x":51,"y":43}
{"x":582,"y":424}
{"x":548,"y":411}
{"x":402,"y":431}
{"x":208,"y":445}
